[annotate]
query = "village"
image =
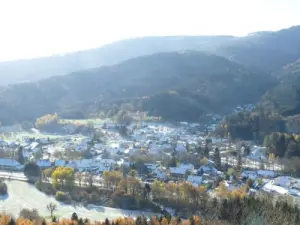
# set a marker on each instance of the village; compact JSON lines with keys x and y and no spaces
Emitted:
{"x":168,"y":152}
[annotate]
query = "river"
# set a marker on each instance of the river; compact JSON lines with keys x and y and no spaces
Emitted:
{"x":23,"y":195}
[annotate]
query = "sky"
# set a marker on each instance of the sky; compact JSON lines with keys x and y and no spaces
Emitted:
{"x":35,"y":28}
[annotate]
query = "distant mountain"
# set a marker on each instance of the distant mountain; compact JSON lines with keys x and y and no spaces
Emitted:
{"x":175,"y":85}
{"x":268,"y":51}
{"x":35,"y":69}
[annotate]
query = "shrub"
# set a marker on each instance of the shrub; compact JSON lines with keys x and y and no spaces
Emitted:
{"x":3,"y":189}
{"x":62,"y":196}
{"x":30,"y":214}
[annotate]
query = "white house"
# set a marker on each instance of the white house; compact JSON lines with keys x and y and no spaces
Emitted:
{"x":71,"y":164}
{"x":44,"y":164}
{"x":177,"y":172}
{"x":195,"y":180}
{"x":188,"y":166}
{"x":249,"y":174}
{"x":160,"y":174}
{"x":59,"y":162}
{"x":208,"y":169}
{"x":10,"y":164}
{"x":266,"y":173}
{"x":180,"y":147}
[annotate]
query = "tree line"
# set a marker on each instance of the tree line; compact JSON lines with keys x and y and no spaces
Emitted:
{"x":283,"y":145}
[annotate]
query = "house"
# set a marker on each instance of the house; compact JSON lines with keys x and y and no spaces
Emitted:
{"x":34,"y":145}
{"x":84,"y":164}
{"x":177,"y":173}
{"x":266,"y":173}
{"x":195,"y":180}
{"x":208,"y":168}
{"x":249,"y":174}
{"x":180,"y":147}
{"x":10,"y":164}
{"x":43,"y":164}
{"x":151,"y":167}
{"x":160,"y":174}
{"x":59,"y":162}
{"x":108,"y":162}
{"x":71,"y":164}
{"x":188,"y":166}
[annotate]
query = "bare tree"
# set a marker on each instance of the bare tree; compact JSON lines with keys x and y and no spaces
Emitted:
{"x":51,"y":208}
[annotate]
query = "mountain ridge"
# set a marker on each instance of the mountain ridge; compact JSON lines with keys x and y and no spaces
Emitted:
{"x":198,"y":82}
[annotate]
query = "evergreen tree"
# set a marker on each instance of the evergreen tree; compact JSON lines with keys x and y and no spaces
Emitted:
{"x":239,"y":160}
{"x":206,"y":151}
{"x":20,"y":156}
{"x":217,"y":158}
{"x":281,"y":146}
{"x":43,"y":222}
{"x":54,"y":219}
{"x":247,"y":150}
{"x":12,"y":222}
{"x":74,"y":217}
{"x":80,"y":221}
{"x":107,"y":221}
{"x":173,"y":162}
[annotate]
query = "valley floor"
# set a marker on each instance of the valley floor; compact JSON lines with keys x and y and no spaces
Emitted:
{"x":23,"y":195}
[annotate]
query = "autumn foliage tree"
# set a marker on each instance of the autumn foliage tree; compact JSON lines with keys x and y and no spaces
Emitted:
{"x":63,"y":178}
{"x":49,"y":119}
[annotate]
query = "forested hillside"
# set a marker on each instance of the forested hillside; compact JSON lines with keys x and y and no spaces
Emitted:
{"x":178,"y":85}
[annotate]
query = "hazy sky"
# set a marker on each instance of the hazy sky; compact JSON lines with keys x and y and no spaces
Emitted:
{"x":31,"y":28}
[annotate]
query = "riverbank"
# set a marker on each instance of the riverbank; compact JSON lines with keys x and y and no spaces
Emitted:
{"x":24,"y":195}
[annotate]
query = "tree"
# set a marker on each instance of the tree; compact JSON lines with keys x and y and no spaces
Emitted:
{"x":281,"y":146}
{"x":158,"y":190}
{"x":247,"y":150}
{"x":112,"y":178}
{"x":32,"y":171}
{"x":134,"y":186}
{"x":249,"y":182}
{"x":133,"y":173}
{"x":80,"y":222}
{"x":79,"y":177}
{"x":12,"y":222}
{"x":48,"y":172}
{"x":30,"y":214}
{"x":239,"y":159}
{"x":54,"y":219}
{"x":291,"y":150}
{"x":46,"y":120}
{"x":172,"y":162}
{"x":223,"y":191}
{"x":74,"y":217}
{"x":206,"y":151}
{"x":203,"y":161}
{"x":20,"y":156}
{"x":217,"y":158}
{"x":63,"y":177}
{"x":51,"y":207}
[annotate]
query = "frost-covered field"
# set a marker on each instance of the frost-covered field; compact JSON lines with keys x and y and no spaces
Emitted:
{"x":23,"y":195}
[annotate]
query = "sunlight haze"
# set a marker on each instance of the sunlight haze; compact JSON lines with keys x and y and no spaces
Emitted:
{"x":40,"y":28}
